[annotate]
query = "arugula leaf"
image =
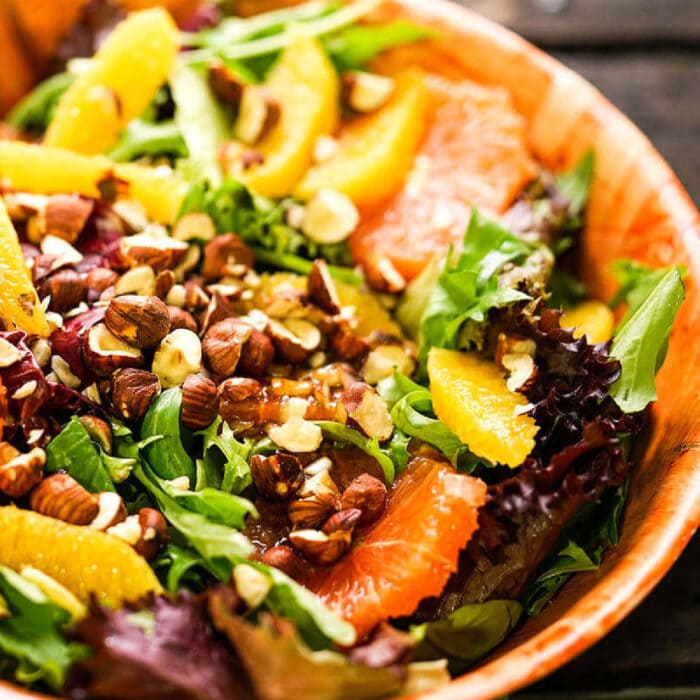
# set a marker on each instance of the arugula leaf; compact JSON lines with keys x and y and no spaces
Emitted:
{"x":34,"y":111}
{"x":355,"y":46}
{"x":144,"y":138}
{"x":468,"y":633}
{"x":32,"y":632}
{"x":167,"y":455}
{"x":575,"y":184}
{"x":225,"y":459}
{"x":201,"y":121}
{"x":73,"y":450}
{"x":641,"y":340}
{"x":467,"y":288}
{"x":342,"y":434}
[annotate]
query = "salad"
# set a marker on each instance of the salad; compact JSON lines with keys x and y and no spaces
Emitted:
{"x":300,"y":393}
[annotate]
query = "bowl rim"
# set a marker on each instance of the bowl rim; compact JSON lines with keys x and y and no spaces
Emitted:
{"x":618,"y":592}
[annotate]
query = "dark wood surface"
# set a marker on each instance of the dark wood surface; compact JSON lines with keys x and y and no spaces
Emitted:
{"x":644,"y":55}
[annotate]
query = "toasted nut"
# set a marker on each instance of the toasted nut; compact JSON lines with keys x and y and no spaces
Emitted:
{"x":111,"y":511}
{"x":137,"y":320}
{"x":239,"y":389}
{"x":65,"y":215}
{"x":195,"y":296}
{"x":367,"y":411}
{"x":19,"y":473}
{"x":63,"y":372}
{"x":223,"y":343}
{"x":368,"y":494}
{"x":521,"y":370}
{"x":200,"y":402}
{"x":277,"y":476}
{"x":343,"y":521}
{"x":179,"y":318}
{"x":329,"y":217}
{"x":225,"y":84}
{"x":286,"y":303}
{"x":257,"y":354}
{"x":165,"y":281}
{"x":133,"y":391}
{"x":314,"y":510}
{"x":296,"y":435}
{"x":194,"y":226}
{"x":319,"y":547}
{"x":382,"y":275}
{"x":295,"y":338}
{"x":99,"y":431}
{"x":138,"y":280}
{"x":66,"y":289}
{"x":219,"y":309}
{"x":348,"y":345}
{"x":258,"y":113}
{"x":366,"y":92}
{"x":153,"y":248}
{"x":318,"y":484}
{"x":128,"y":530}
{"x":177,"y":296}
{"x":224,"y":252}
{"x":321,"y":289}
{"x":154,"y":533}
{"x":325,"y":147}
{"x":41,"y":349}
{"x":9,"y":353}
{"x":101,"y":278}
{"x":62,"y":251}
{"x":132,"y":213}
{"x":189,"y":261}
{"x":178,"y":355}
{"x":285,"y":559}
{"x":511,"y":344}
{"x":104,"y":353}
{"x":384,"y":360}
{"x":251,"y":584}
{"x":61,"y":496}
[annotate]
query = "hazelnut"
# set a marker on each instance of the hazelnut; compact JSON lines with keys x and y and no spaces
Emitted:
{"x":99,"y":431}
{"x":111,"y":511}
{"x":258,"y":113}
{"x":152,"y":247}
{"x":257,"y":354}
{"x":179,"y":318}
{"x":178,"y":355}
{"x":100,"y":278}
{"x":296,"y":435}
{"x":61,"y":496}
{"x":384,"y":360}
{"x":521,"y":370}
{"x":321,"y":289}
{"x":347,"y":345}
{"x":196,"y":298}
{"x":189,"y":261}
{"x":176,"y":296}
{"x":131,"y":213}
{"x":343,"y":522}
{"x":368,"y":494}
{"x":200,"y":402}
{"x":133,"y":391}
{"x":194,"y":226}
{"x":382,"y":275}
{"x":238,"y":389}
{"x":225,"y":84}
{"x":9,"y":353}
{"x":219,"y":309}
{"x":318,"y":484}
{"x":146,"y":532}
{"x":165,"y":281}
{"x":65,"y":215}
{"x":223,"y":343}
{"x":19,"y":473}
{"x":511,"y":344}
{"x":139,"y":321}
{"x":138,"y":280}
{"x":286,"y":560}
{"x":295,"y":338}
{"x":366,"y":92}
{"x":319,"y":547}
{"x":329,"y":217}
{"x":251,"y":584}
{"x":62,"y":252}
{"x":66,"y":289}
{"x":367,"y":411}
{"x":277,"y":476}
{"x":313,"y":510}
{"x":224,"y":252}
{"x":104,"y":353}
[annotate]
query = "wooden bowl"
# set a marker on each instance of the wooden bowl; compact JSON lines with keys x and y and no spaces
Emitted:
{"x":639,"y":210}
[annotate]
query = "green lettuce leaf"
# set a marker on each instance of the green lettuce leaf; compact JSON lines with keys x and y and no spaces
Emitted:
{"x":144,"y":138}
{"x":641,"y":339}
{"x":468,"y":633}
{"x":32,"y":633}
{"x":34,"y":111}
{"x":575,"y":184}
{"x":73,"y":450}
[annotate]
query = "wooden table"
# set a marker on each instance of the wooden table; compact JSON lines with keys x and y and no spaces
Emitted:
{"x":644,"y":55}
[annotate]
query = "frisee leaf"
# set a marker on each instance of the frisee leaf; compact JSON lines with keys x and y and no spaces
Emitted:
{"x":641,"y":340}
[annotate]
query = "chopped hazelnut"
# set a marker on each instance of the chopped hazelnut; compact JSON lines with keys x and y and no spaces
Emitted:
{"x":200,"y":402}
{"x":133,"y":391}
{"x":140,"y":321}
{"x":178,"y":355}
{"x":329,"y":217}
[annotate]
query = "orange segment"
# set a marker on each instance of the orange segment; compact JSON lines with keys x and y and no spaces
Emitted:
{"x":471,"y":396}
{"x":592,"y":319}
{"x":87,"y":562}
{"x":19,"y":303}
{"x":475,"y":153}
{"x":410,"y":552}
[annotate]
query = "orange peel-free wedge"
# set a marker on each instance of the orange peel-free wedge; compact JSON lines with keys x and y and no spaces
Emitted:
{"x":591,"y":318}
{"x":471,"y":396}
{"x":120,"y":82}
{"x":20,"y":307}
{"x":33,"y":168}
{"x":87,"y":562}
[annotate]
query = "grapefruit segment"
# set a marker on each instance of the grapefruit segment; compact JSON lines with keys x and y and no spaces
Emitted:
{"x":474,"y":153}
{"x":410,"y":552}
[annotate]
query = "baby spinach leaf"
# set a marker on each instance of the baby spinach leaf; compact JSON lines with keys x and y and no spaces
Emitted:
{"x":167,"y":455}
{"x":144,"y":138}
{"x":32,"y":632}
{"x":34,"y":111}
{"x":641,"y":340}
{"x":468,"y":633}
{"x":73,"y":450}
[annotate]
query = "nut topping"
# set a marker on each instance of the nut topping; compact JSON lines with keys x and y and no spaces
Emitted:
{"x":178,"y":355}
{"x":66,"y":289}
{"x":368,"y":494}
{"x":329,"y":217}
{"x":194,"y":226}
{"x":19,"y":472}
{"x":367,"y":411}
{"x":295,"y":338}
{"x":9,"y":353}
{"x":258,"y":113}
{"x":223,"y":343}
{"x":321,"y":288}
{"x":257,"y":354}
{"x":133,"y":391}
{"x":200,"y":402}
{"x":285,"y":559}
{"x":141,"y":321}
{"x":65,"y":216}
{"x":99,"y":431}
{"x":296,"y":435}
{"x":104,"y":353}
{"x":319,"y":547}
{"x":111,"y":511}
{"x":384,"y":360}
{"x":366,"y":92}
{"x":383,"y":276}
{"x":225,"y":84}
{"x":179,"y":318}
{"x":146,"y":532}
{"x":222,"y":253}
{"x":61,"y":496}
{"x":277,"y":476}
{"x":313,"y":510}
{"x":154,"y":247}
{"x":343,"y":521}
